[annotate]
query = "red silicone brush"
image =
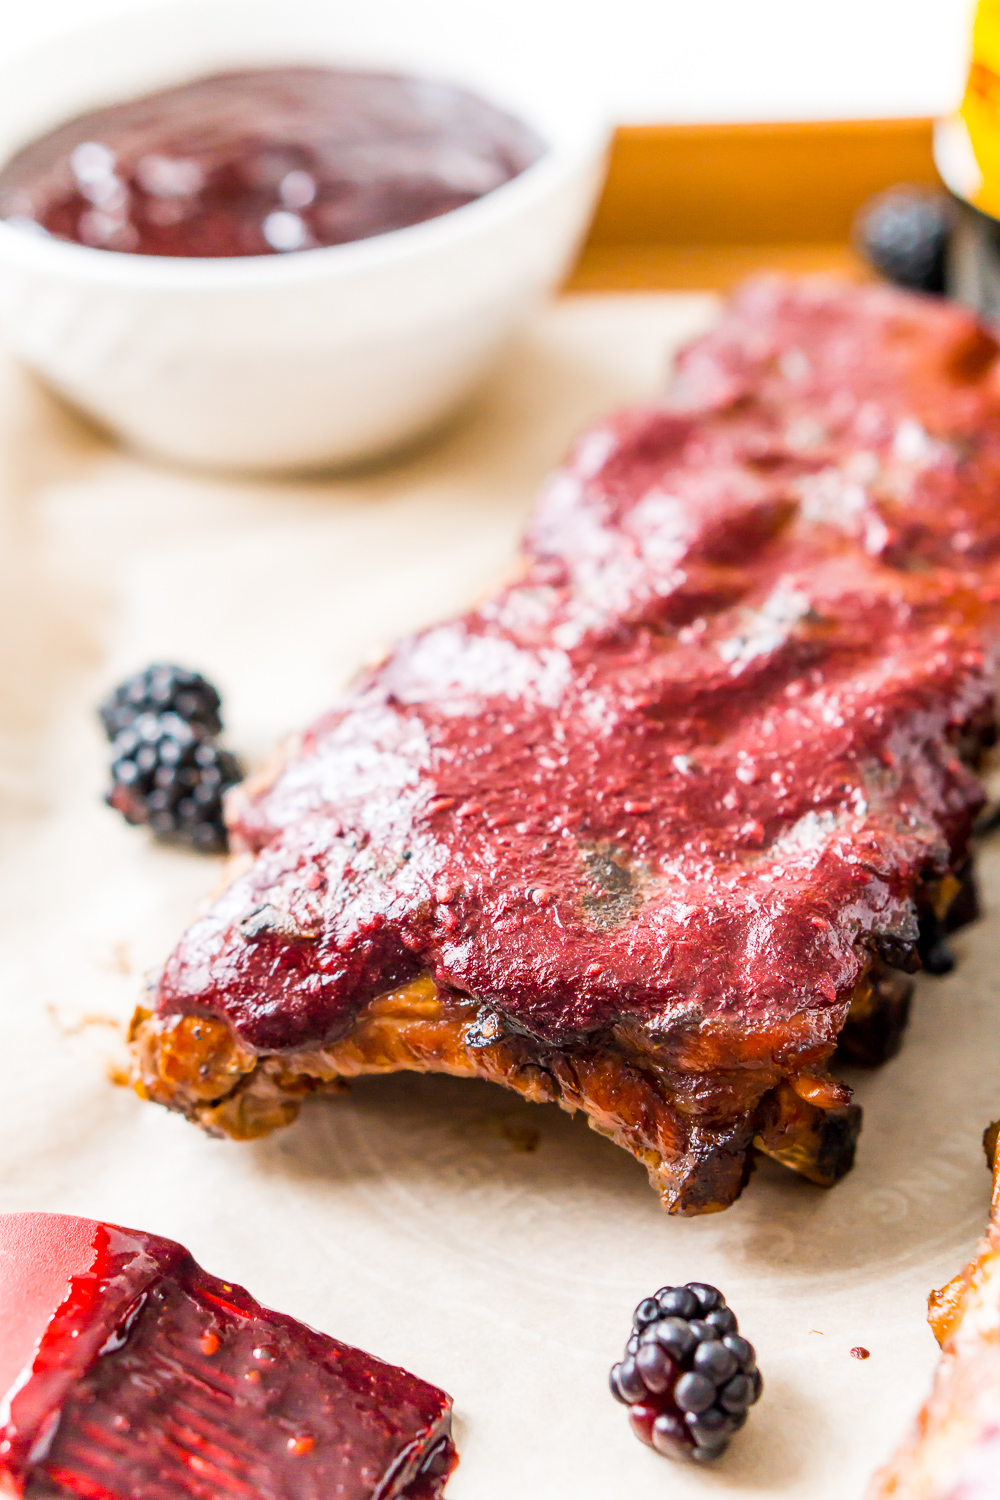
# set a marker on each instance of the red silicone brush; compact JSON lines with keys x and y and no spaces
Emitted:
{"x":129,"y":1373}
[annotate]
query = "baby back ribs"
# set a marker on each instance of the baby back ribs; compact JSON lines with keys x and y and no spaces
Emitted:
{"x":953,"y":1452}
{"x":650,"y":829}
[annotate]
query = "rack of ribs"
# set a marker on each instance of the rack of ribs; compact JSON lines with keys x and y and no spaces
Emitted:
{"x":953,"y":1452}
{"x":651,"y":829}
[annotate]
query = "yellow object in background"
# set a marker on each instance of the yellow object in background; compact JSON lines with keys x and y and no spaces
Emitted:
{"x":981,"y":105}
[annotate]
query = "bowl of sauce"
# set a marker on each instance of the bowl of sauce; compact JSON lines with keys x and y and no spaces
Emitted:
{"x":247,"y":236}
{"x":265,"y":161}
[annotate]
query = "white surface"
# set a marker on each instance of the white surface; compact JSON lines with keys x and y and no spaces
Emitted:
{"x":401,"y":1217}
{"x":289,"y":362}
{"x":678,"y":60}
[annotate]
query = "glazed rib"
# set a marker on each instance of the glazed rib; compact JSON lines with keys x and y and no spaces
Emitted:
{"x":651,"y":829}
{"x":953,"y":1452}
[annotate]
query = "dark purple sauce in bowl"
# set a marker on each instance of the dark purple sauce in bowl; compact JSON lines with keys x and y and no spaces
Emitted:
{"x":318,"y":264}
{"x":263,"y":162}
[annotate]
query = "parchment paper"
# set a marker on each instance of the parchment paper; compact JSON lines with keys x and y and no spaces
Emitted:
{"x":494,"y":1247}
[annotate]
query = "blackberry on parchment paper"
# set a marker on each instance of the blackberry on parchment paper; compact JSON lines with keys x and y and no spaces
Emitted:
{"x":162,"y":689}
{"x":171,"y":776}
{"x":687,"y":1377}
{"x":167,"y":771}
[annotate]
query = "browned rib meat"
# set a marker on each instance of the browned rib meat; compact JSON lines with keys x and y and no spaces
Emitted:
{"x":652,"y":828}
{"x":196,"y":1064}
{"x":953,"y":1452}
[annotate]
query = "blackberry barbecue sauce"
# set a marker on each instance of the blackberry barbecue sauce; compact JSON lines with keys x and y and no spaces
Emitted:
{"x":264,"y":162}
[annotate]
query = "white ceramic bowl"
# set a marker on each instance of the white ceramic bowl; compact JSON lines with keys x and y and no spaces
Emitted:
{"x":318,"y":357}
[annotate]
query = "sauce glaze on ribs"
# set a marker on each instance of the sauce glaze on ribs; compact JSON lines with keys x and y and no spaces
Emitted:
{"x":953,"y":1451}
{"x":641,"y":832}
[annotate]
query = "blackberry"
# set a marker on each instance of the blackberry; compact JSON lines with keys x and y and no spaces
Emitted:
{"x":162,"y":689}
{"x":170,"y":775}
{"x":903,"y":234}
{"x":687,"y":1377}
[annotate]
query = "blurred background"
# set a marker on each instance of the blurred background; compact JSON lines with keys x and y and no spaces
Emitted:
{"x":750,"y":137}
{"x":692,"y":60}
